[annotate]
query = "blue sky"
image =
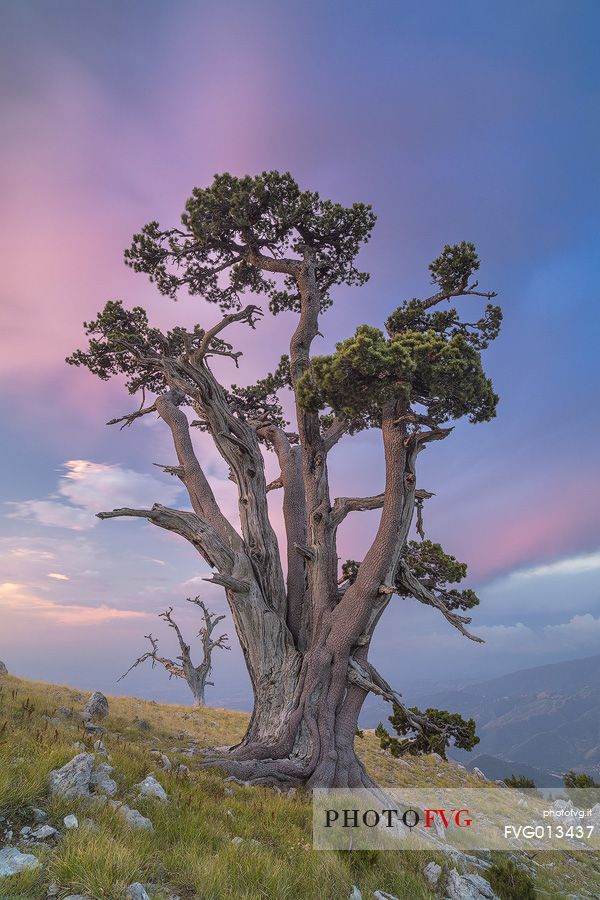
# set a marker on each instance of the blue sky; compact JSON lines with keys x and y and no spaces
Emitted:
{"x":456,"y":121}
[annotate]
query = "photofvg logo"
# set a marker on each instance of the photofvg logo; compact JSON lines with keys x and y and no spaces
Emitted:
{"x":360,"y":819}
{"x":469,"y":819}
{"x":393,"y":818}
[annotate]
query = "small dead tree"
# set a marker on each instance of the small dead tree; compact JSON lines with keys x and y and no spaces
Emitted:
{"x":195,"y":676}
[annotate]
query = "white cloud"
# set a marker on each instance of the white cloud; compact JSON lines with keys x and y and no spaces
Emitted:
{"x":29,"y":554}
{"x":580,"y":630}
{"x":58,"y":575}
{"x":89,"y":487}
{"x":54,"y":514}
{"x":18,"y":598}
{"x":574,"y":565}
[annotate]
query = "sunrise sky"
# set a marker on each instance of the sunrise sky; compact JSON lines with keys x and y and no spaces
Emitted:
{"x":468,"y":120}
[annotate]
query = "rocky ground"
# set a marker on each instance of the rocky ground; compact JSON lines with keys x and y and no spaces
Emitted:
{"x":104,"y":798}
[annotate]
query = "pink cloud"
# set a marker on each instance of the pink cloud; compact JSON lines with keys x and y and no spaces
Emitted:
{"x":18,"y":599}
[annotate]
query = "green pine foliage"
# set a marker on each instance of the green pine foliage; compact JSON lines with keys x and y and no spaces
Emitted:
{"x":519,"y":781}
{"x":583,"y":790}
{"x":433,"y":567}
{"x":438,"y":730}
{"x":268,"y":212}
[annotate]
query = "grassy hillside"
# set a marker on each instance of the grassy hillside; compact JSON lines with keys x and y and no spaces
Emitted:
{"x":191,"y":853}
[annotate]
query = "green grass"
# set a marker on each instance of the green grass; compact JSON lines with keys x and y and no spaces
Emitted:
{"x":190,"y":852}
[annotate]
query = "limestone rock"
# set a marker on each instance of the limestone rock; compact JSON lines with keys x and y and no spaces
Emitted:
{"x":73,"y":780}
{"x":102,"y":782}
{"x":3,"y":669}
{"x":39,"y":816}
{"x":136,"y":891}
{"x":478,"y":773}
{"x":355,"y":894}
{"x":432,"y":872}
{"x":71,"y":821}
{"x":94,"y":729}
{"x":133,"y":817}
{"x":163,"y":760}
{"x":96,"y":707}
{"x":150,"y":787}
{"x":12,"y":862}
{"x":43,"y":832}
{"x":468,"y":887}
{"x":383,"y":895}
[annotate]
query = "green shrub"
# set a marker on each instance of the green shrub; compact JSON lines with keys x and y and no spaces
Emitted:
{"x":509,"y":881}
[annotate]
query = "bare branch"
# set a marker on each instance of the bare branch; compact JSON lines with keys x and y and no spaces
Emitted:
{"x":198,"y":487}
{"x":187,"y":524}
{"x":232,"y":584}
{"x":250,"y":314}
{"x":171,"y":470}
{"x":466,"y":291}
{"x":344,"y":505}
{"x":129,"y":418}
{"x":336,"y":430}
{"x":424,"y":595}
{"x":275,"y":484}
{"x":172,"y":668}
{"x":369,"y":679}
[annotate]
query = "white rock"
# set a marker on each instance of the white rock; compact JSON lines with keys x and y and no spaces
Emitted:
{"x":71,"y":821}
{"x":150,"y":787}
{"x":44,"y":832}
{"x":136,"y":891}
{"x":237,"y":840}
{"x":3,"y":669}
{"x":355,"y":894}
{"x":77,"y":897}
{"x":478,"y":773}
{"x":163,"y":760}
{"x":39,"y":815}
{"x":182,"y":771}
{"x":382,"y":895}
{"x":25,"y":830}
{"x":101,"y":781}
{"x":468,"y":887}
{"x":133,"y":817}
{"x":73,"y":780}
{"x":12,"y":861}
{"x":432,"y":872}
{"x":96,"y":707}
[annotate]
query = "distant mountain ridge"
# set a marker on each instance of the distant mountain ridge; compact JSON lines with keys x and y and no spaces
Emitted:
{"x":547,"y":717}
